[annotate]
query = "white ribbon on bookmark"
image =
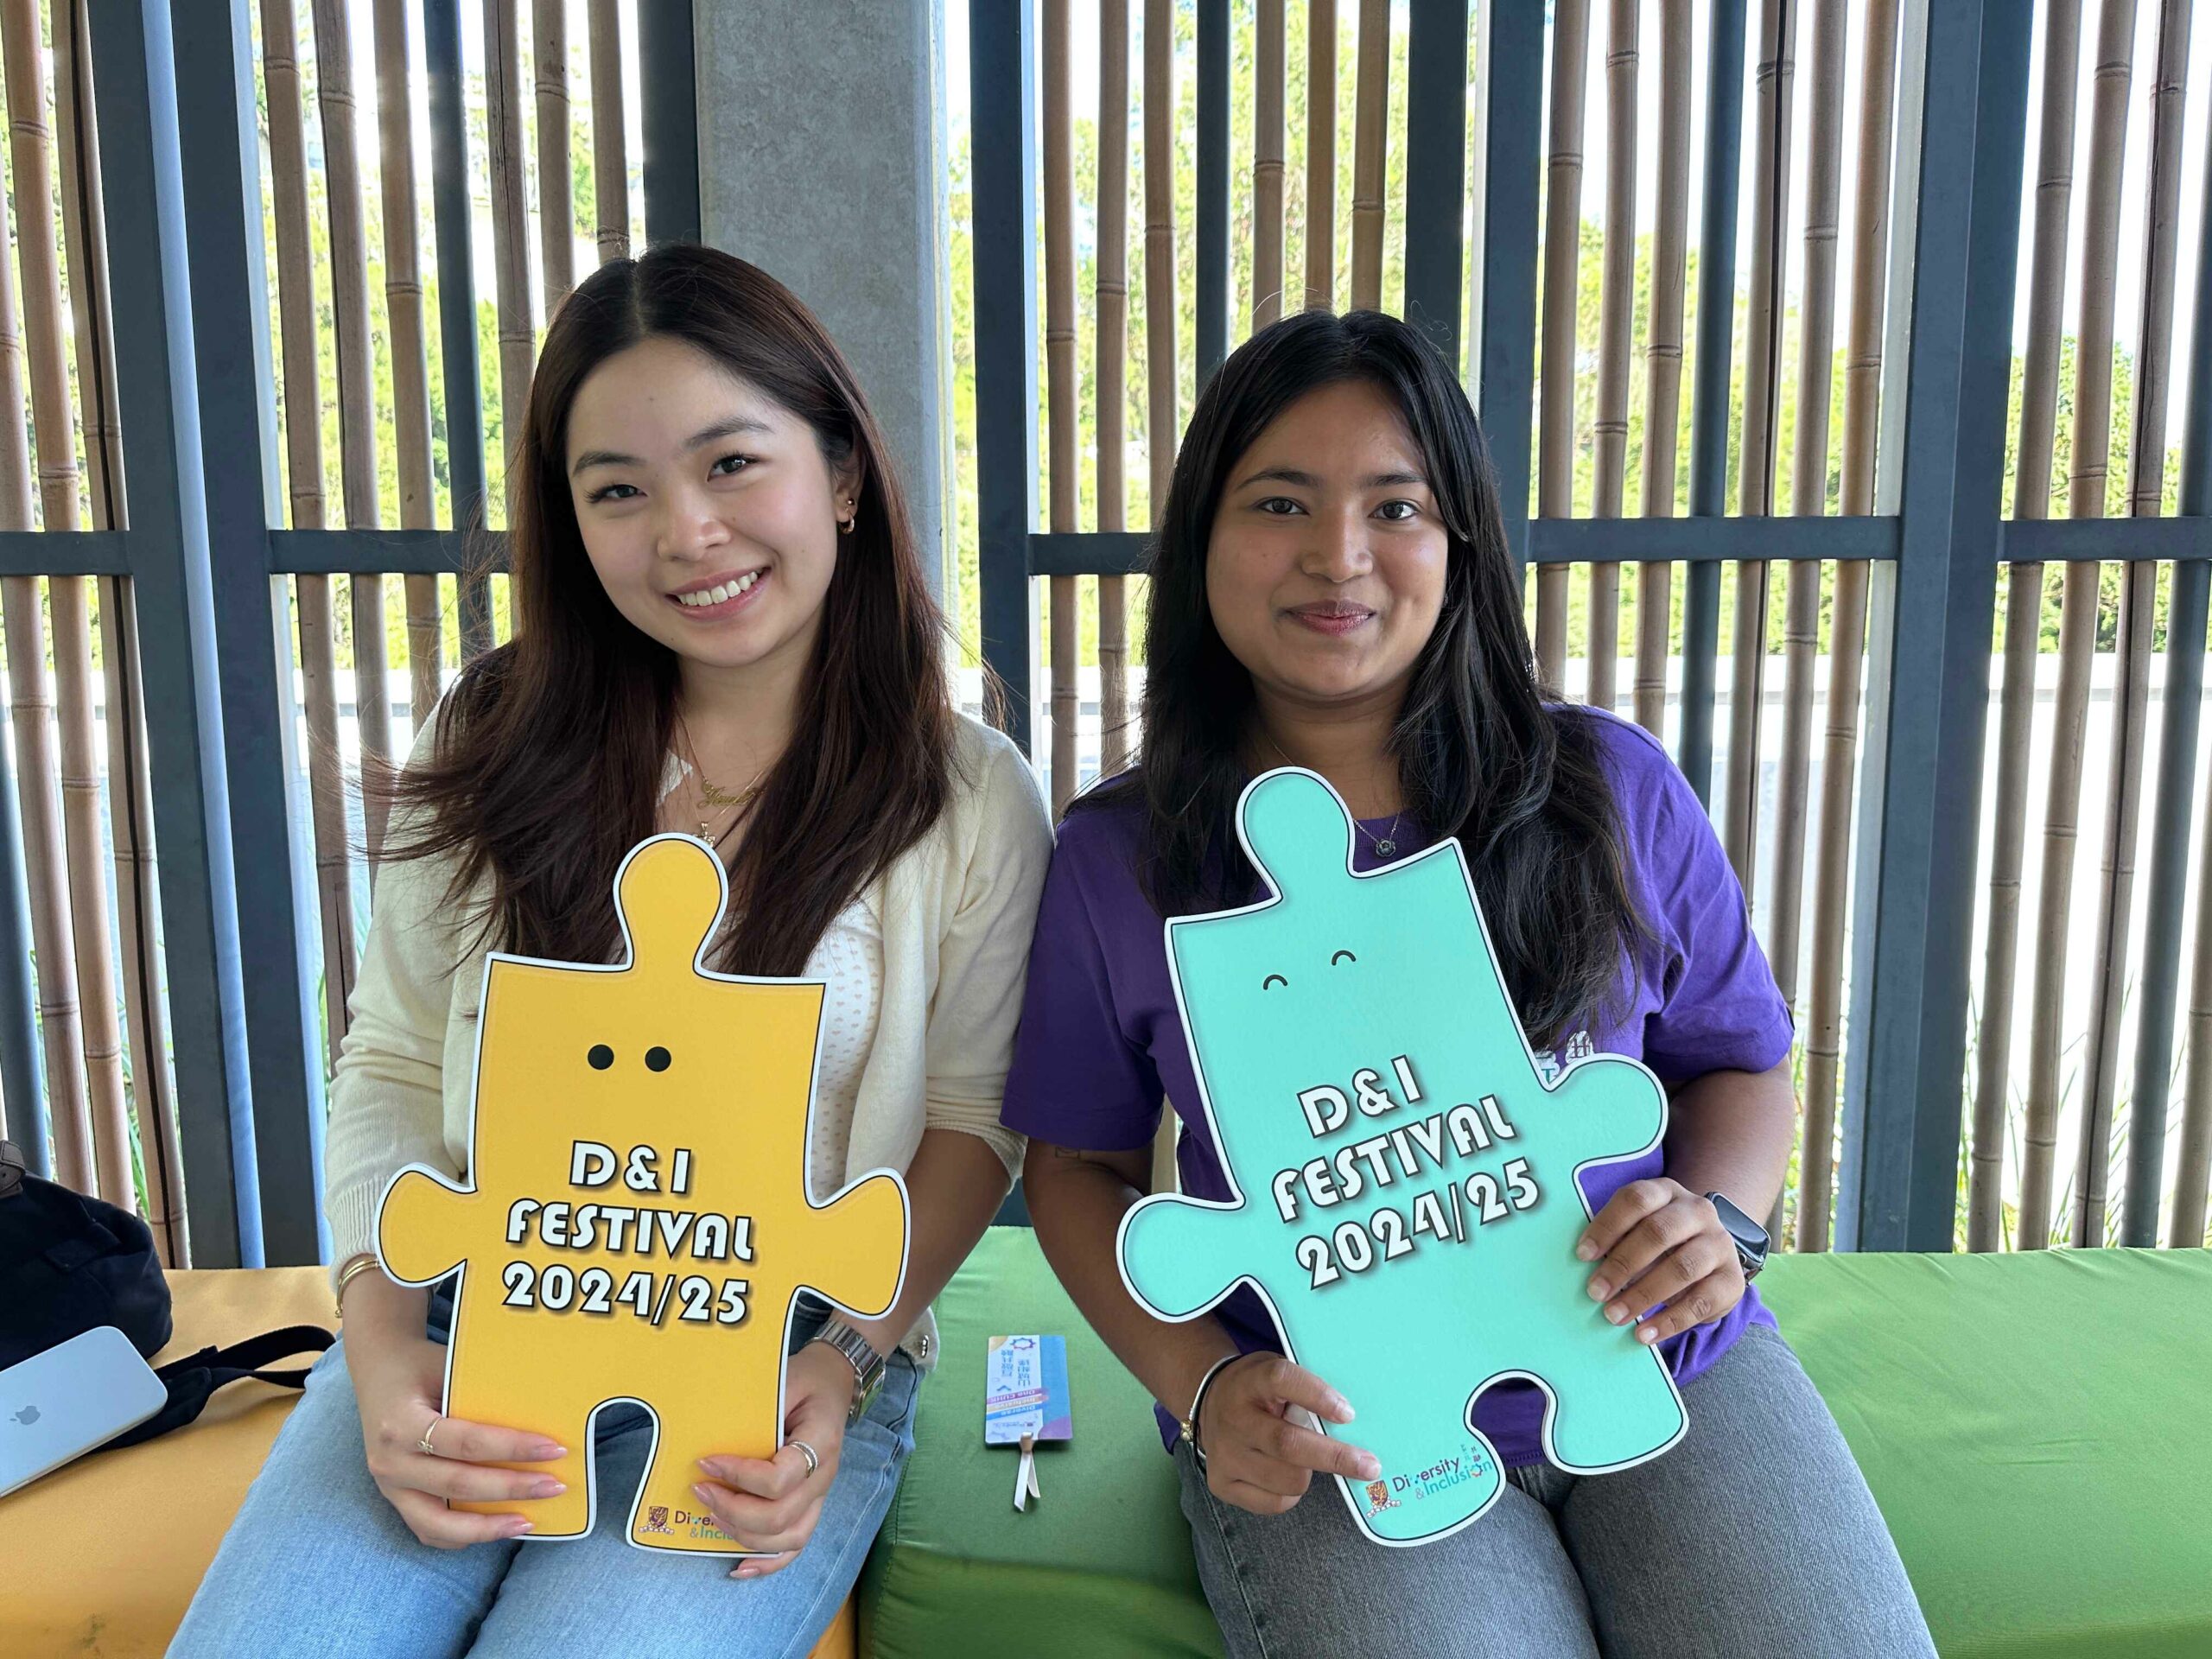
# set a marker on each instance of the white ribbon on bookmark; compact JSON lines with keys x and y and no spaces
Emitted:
{"x":1025,"y":1475}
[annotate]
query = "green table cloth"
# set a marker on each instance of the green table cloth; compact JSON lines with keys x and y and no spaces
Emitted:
{"x":2037,"y":1430}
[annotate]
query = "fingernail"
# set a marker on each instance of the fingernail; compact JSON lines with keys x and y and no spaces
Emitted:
{"x":517,"y":1527}
{"x":1587,"y":1251}
{"x":1599,"y":1289}
{"x":546,"y":1450}
{"x":701,"y":1493}
{"x":1370,"y":1470}
{"x":547,"y":1488}
{"x":745,"y":1572}
{"x":1645,"y":1334}
{"x":1617,"y":1314}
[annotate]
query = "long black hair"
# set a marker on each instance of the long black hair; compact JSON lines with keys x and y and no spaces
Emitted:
{"x":1483,"y":753}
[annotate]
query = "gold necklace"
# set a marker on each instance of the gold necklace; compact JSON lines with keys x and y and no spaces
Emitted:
{"x":706,"y":824}
{"x":713,"y":796}
{"x":1384,"y":846}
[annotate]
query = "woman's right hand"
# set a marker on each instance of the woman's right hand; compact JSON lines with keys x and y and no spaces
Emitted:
{"x":1256,"y":1457}
{"x":398,"y":1379}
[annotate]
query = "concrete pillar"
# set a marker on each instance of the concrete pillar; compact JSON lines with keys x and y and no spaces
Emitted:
{"x":822,"y":160}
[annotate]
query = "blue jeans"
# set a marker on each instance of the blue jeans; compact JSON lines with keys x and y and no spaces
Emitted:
{"x":318,"y":1564}
{"x":1756,"y":1535}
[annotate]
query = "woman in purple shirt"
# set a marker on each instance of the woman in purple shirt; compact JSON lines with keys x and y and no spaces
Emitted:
{"x":1332,"y":588}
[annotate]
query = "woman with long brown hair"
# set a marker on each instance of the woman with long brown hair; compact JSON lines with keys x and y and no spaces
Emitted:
{"x":722,"y":627}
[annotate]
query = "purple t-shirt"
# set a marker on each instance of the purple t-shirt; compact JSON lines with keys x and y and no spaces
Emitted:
{"x":1101,"y":1045}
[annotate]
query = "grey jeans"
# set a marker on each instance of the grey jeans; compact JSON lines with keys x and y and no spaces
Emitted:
{"x":1757,"y":1535}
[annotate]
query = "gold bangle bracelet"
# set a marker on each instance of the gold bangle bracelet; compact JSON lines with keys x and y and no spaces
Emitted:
{"x":353,"y":1270}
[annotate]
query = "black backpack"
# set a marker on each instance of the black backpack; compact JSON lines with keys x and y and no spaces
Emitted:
{"x":69,"y":1262}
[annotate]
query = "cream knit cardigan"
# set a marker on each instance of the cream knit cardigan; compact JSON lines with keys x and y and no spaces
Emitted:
{"x":957,"y":909}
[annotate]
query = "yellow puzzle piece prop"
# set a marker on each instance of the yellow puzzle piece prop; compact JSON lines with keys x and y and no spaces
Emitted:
{"x":637,"y":1225}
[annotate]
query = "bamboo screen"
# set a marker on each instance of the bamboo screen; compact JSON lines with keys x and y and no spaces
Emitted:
{"x":78,"y":816}
{"x":354,"y":300}
{"x":2080,"y":964}
{"x":2086,"y":1101}
{"x":1316,"y":120}
{"x":353,"y":303}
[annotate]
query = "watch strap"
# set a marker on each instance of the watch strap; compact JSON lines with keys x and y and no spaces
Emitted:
{"x":1751,"y":1257}
{"x":860,"y":1354}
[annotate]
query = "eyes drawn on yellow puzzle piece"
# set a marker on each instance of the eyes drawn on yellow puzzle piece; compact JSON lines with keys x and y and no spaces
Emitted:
{"x":636,"y":1223}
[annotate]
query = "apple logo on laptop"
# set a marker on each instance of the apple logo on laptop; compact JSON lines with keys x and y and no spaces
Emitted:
{"x":26,"y":1416}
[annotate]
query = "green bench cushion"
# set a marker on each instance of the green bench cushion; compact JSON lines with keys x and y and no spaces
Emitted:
{"x":1100,"y":1566}
{"x":2033,"y":1427}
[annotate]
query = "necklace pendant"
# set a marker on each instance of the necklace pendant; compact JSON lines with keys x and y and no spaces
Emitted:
{"x":1384,"y":849}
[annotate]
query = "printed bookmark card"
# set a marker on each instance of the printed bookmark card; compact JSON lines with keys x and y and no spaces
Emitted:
{"x":1025,"y":1390}
{"x":1025,"y":1401}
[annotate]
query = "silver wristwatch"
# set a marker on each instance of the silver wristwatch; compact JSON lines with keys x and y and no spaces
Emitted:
{"x":860,"y":1353}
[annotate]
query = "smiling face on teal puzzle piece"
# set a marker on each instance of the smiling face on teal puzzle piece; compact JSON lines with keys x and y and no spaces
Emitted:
{"x":1408,"y":1202}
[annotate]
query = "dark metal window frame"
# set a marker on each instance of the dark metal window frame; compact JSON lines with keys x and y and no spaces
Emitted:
{"x":207,"y":557}
{"x":205,"y":551}
{"x":1934,"y":555}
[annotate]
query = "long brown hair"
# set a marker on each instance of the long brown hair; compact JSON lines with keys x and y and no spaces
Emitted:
{"x":549,"y":750}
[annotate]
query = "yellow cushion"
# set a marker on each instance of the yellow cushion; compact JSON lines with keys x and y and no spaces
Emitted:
{"x":97,"y":1583}
{"x":96,"y":1590}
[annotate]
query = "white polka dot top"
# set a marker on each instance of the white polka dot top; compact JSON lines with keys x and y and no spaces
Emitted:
{"x":849,"y":957}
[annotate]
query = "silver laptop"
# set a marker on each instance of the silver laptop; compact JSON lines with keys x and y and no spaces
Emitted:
{"x":61,"y":1404}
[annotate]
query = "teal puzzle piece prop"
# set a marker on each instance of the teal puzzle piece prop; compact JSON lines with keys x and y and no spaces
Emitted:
{"x":1407,"y":1198}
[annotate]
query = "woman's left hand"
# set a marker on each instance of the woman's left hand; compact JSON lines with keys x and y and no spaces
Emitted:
{"x":772,"y":1504}
{"x":1663,"y":1247}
